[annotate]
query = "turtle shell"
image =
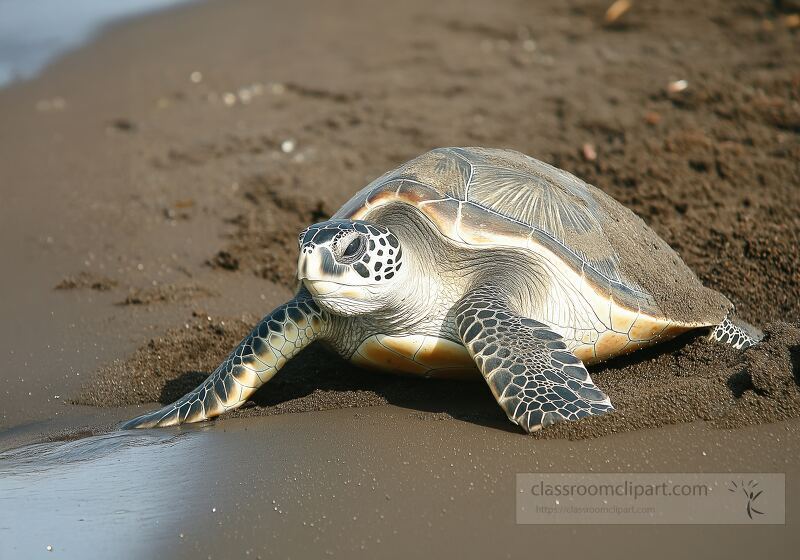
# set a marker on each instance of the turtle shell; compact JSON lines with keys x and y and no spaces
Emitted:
{"x":480,"y":197}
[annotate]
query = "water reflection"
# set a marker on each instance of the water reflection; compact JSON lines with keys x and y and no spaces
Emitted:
{"x":41,"y":457}
{"x":272,"y":486}
{"x":110,"y":495}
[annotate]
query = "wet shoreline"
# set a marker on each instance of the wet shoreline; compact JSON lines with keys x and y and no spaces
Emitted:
{"x":380,"y":482}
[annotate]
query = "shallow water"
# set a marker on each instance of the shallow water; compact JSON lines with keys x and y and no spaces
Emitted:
{"x":83,"y":497}
{"x":148,"y":493}
{"x":34,"y":32}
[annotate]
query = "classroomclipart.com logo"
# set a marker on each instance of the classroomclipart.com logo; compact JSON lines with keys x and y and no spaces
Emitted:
{"x":651,"y":498}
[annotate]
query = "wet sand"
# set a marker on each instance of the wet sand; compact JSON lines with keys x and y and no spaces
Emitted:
{"x":378,"y":482}
{"x":149,"y":217}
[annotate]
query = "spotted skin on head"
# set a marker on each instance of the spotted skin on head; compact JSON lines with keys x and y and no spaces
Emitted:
{"x":370,"y":249}
{"x":533,"y":376}
{"x":277,"y":339}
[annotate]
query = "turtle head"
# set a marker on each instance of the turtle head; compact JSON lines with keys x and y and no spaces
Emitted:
{"x":350,"y":266}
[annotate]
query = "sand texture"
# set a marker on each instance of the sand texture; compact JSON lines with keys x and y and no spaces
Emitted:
{"x":713,"y":169}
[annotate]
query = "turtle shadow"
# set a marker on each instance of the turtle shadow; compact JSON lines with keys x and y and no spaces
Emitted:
{"x":794,"y":357}
{"x":317,"y":371}
{"x":648,"y":353}
{"x":740,"y":382}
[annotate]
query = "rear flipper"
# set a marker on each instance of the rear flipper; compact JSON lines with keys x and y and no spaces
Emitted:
{"x":737,"y":333}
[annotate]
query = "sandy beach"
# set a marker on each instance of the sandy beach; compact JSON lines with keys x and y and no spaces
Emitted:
{"x":153,"y":184}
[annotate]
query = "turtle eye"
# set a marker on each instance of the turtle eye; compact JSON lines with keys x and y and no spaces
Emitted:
{"x":353,"y":250}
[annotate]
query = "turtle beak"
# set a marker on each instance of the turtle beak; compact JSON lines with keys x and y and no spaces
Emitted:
{"x":309,"y":273}
{"x":302,"y":265}
{"x":318,"y":264}
{"x":321,"y":288}
{"x":321,"y":274}
{"x":309,"y":263}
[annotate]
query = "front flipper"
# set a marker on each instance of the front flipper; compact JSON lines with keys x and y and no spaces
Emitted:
{"x":278,"y":337}
{"x":533,"y":376}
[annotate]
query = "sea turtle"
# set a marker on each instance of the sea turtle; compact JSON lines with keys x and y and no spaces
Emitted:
{"x":468,"y":261}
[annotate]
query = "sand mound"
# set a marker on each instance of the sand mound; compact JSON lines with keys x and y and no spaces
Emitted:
{"x":694,"y":379}
{"x":683,"y":381}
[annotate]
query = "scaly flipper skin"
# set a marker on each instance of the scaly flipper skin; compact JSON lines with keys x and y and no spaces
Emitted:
{"x":737,"y":333}
{"x":533,"y":376}
{"x":278,"y":337}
